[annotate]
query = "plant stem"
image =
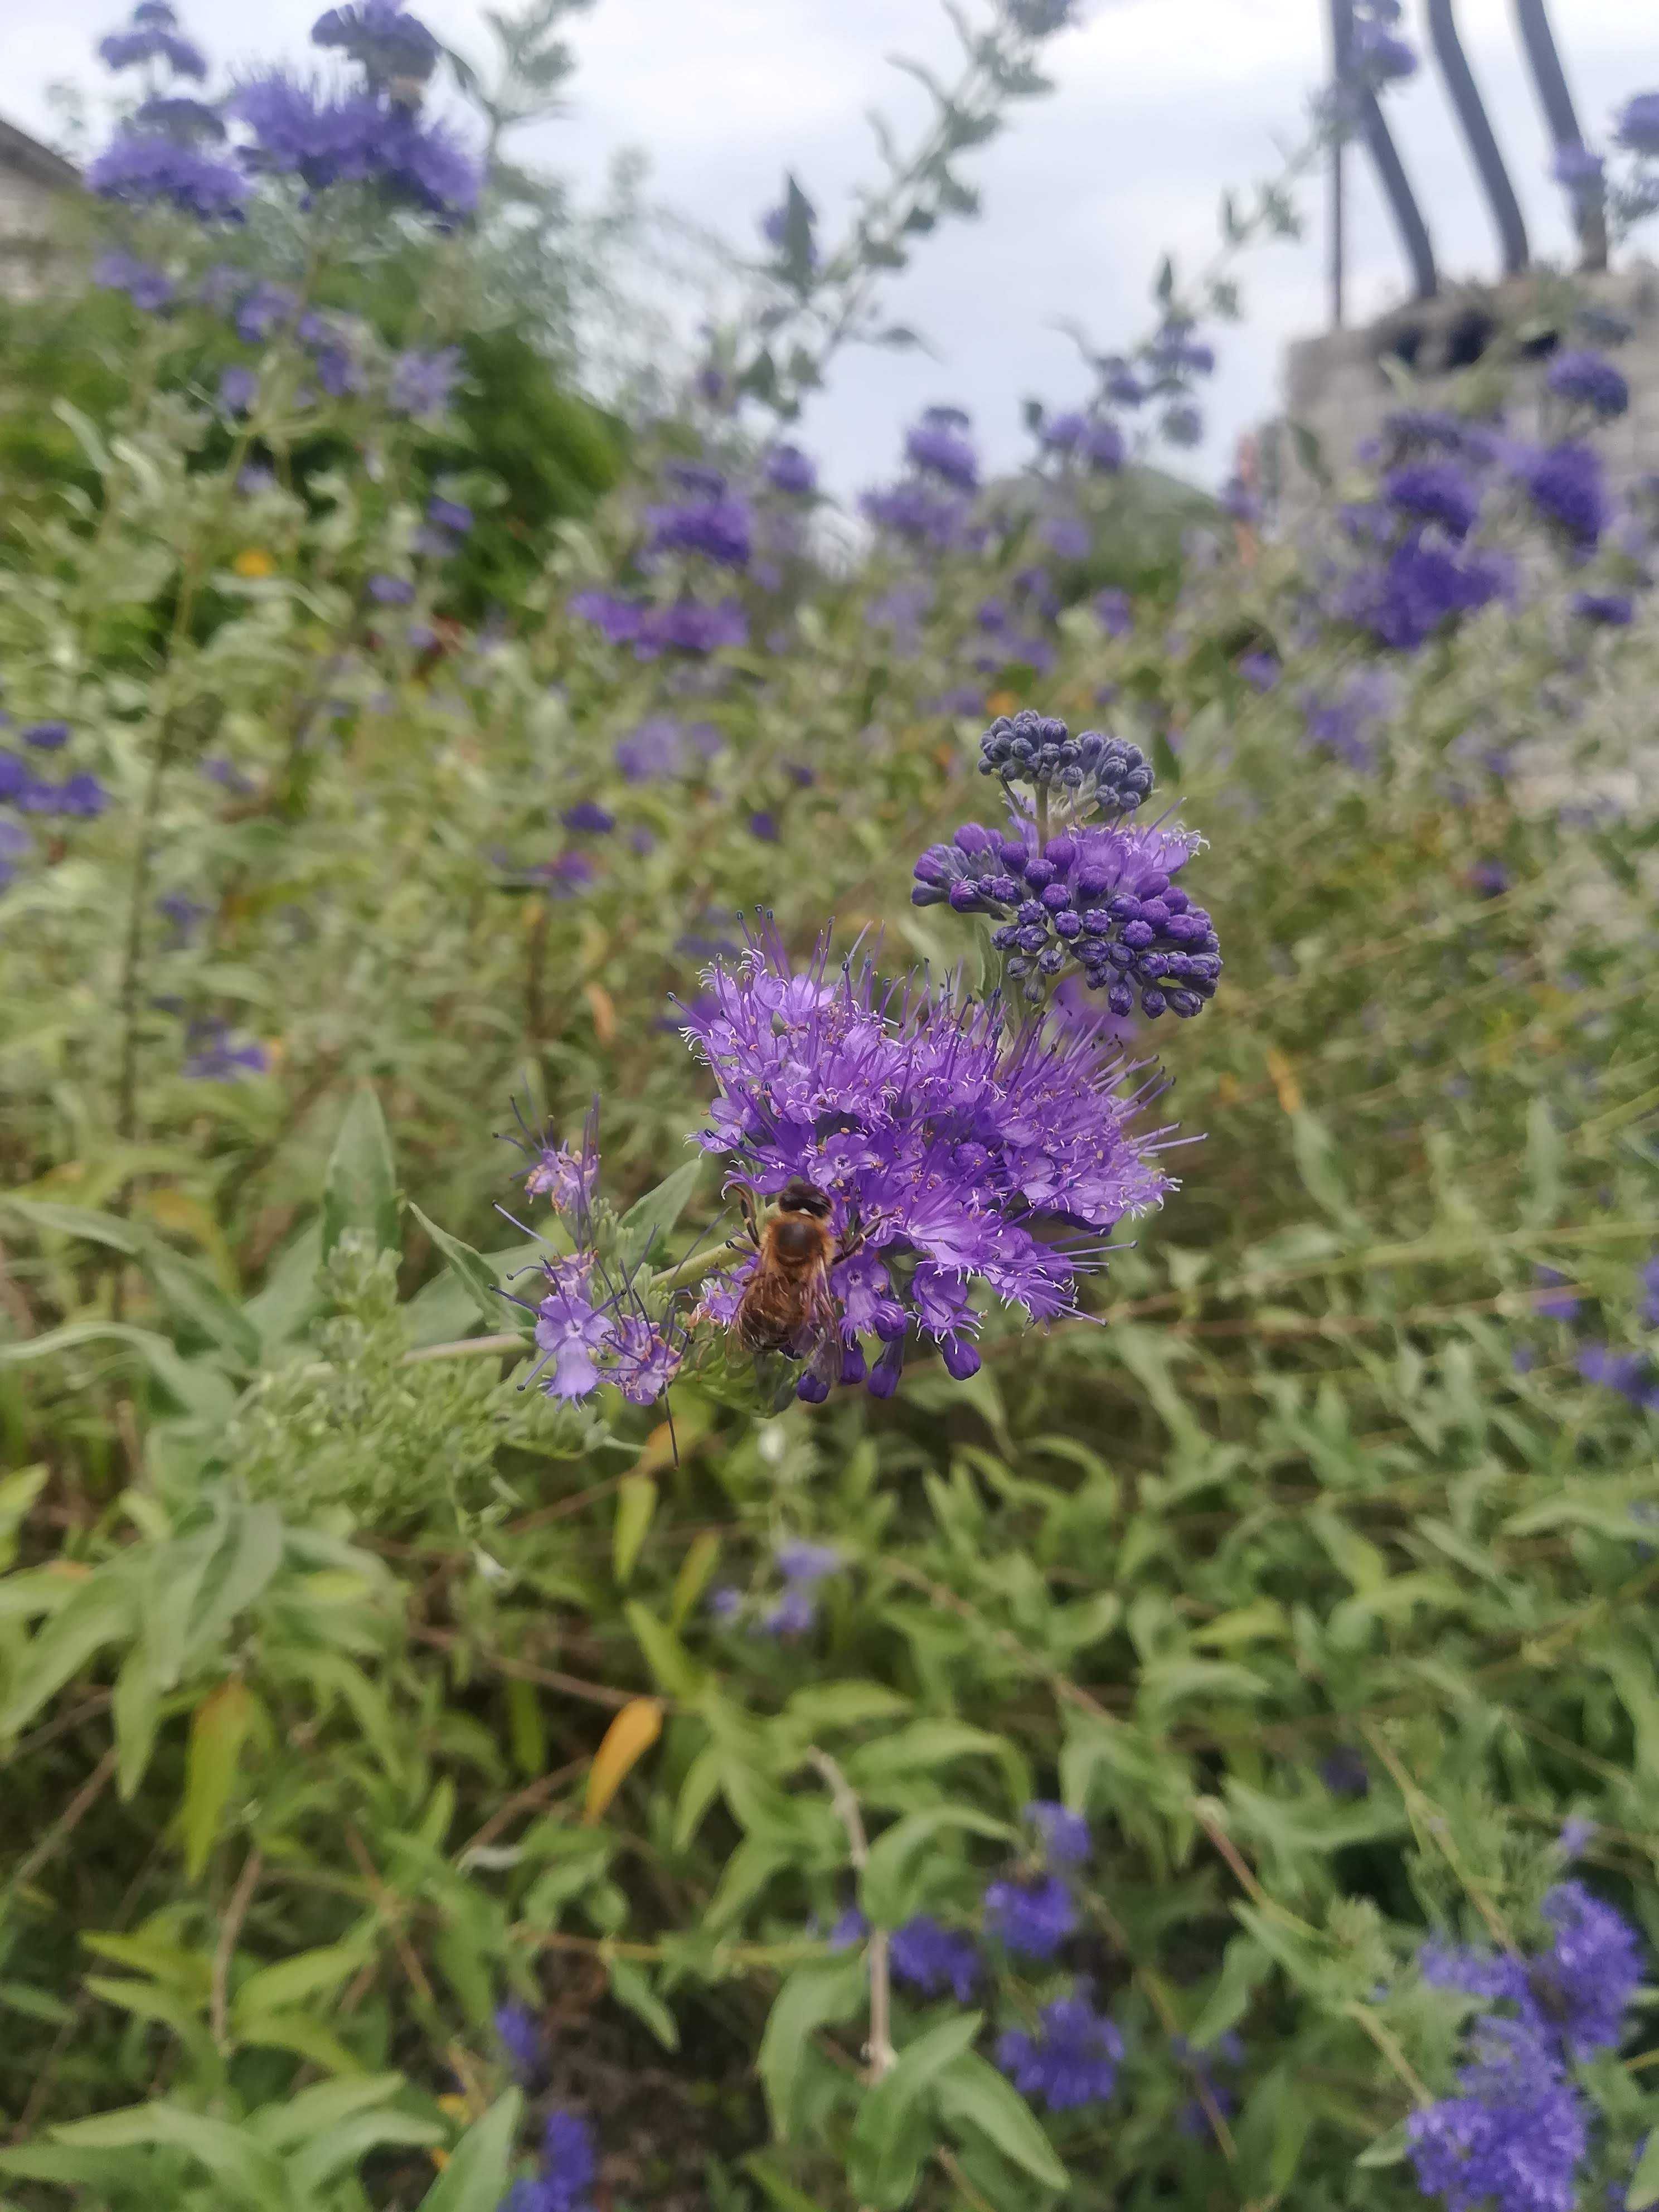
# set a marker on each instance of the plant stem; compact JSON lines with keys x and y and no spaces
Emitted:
{"x":881,"y":2052}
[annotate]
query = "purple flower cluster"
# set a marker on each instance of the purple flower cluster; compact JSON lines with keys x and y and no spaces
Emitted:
{"x":936,"y":446}
{"x":1589,"y":380}
{"x":213,"y":1057}
{"x":932,"y":1959}
{"x":387,"y":44}
{"x":521,"y":2038}
{"x":570,"y":2165}
{"x":149,"y":289}
{"x":802,"y":1567}
{"x":1092,"y":440}
{"x":716,"y":525}
{"x":683,"y":626}
{"x":1638,"y":128}
{"x":422,"y":383}
{"x":1195,"y":2117}
{"x":787,"y":470}
{"x":950,"y":1145}
{"x":1605,"y":609}
{"x":147,"y":169}
{"x":78,"y":796}
{"x":1511,"y":2138}
{"x":1099,"y":899}
{"x":1030,"y":1919}
{"x":1435,"y":491}
{"x":919,"y":515}
{"x":1631,"y":1374}
{"x":1349,"y":723}
{"x":1096,"y":769}
{"x":1570,"y":1999}
{"x":1566,"y":485}
{"x":152,"y":36}
{"x":587,"y":1343}
{"x":1064,"y":1835}
{"x":324,"y":139}
{"x":1072,"y":2059}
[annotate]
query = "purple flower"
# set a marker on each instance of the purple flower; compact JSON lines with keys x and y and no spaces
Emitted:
{"x":145,"y":169}
{"x":147,"y":289}
{"x":1571,"y":1999}
{"x":1589,"y":380}
{"x":391,"y":591}
{"x":1066,"y":535}
{"x":1566,"y":484}
{"x":378,"y":35}
{"x":1511,"y":2139}
{"x":950,"y":1137}
{"x":300,"y":131}
{"x":764,"y":825}
{"x":1031,"y":1919}
{"x":1630,"y":1373}
{"x":183,"y":915}
{"x":570,"y":1329}
{"x":793,"y":1615}
{"x":1260,"y":670}
{"x":805,"y":1564}
{"x":1113,"y":611}
{"x":564,"y":877}
{"x":919,"y":515}
{"x":1038,"y":749}
{"x":1344,"y":1773}
{"x":589,"y":817}
{"x":1071,"y":2061}
{"x":1435,"y":491}
{"x":1347,"y":724}
{"x":1098,"y":899}
{"x":422,"y":383}
{"x":16,"y":845}
{"x":1575,"y":1838}
{"x":154,"y":36}
{"x":215,"y":1059}
{"x":932,"y":1958}
{"x":46,"y":736}
{"x":238,"y":389}
{"x":937,"y":447}
{"x":571,"y":2162}
{"x":1380,"y":56}
{"x":1648,"y":1276}
{"x":720,"y":530}
{"x":1066,"y":1838}
{"x":786,"y":469}
{"x":564,"y":1177}
{"x":1638,"y":128}
{"x":1182,"y":425}
{"x":1549,"y":1302}
{"x":450,"y":514}
{"x":521,"y":2038}
{"x":1489,"y":879}
{"x":1607,"y":609}
{"x":1575,"y":167}
{"x":850,"y":1928}
{"x":657,"y":748}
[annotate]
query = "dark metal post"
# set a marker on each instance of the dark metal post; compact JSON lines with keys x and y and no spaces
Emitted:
{"x":1483,"y":146}
{"x":1589,"y":210}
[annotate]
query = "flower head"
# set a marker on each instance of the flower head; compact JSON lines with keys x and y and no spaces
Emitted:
{"x":387,"y":44}
{"x":1435,"y":491}
{"x":1638,"y":128}
{"x":421,"y":382}
{"x":786,"y":469}
{"x":932,"y":1958}
{"x":1589,"y":380}
{"x":1031,"y":1919}
{"x":936,"y":448}
{"x":1566,"y":485}
{"x":1605,"y":609}
{"x":1511,"y":2139}
{"x":145,"y":168}
{"x":1065,"y":1835}
{"x":950,"y":1145}
{"x":153,"y":35}
{"x":1073,"y":2058}
{"x":1038,"y":749}
{"x":718,"y":528}
{"x":521,"y":2038}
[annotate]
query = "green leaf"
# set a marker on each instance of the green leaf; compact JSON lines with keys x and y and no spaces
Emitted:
{"x":216,"y":1736}
{"x":645,"y":1225}
{"x":1643,"y":2187}
{"x":913,"y":1750}
{"x":307,"y":2112}
{"x":888,"y":1887}
{"x":198,"y":1387}
{"x":975,"y":2101}
{"x":667,"y":1656}
{"x":636,"y":1502}
{"x":191,"y":1294}
{"x":692,"y":1579}
{"x":890,"y":2137}
{"x":631,"y":1986}
{"x":17,"y":1494}
{"x":359,"y":1190}
{"x":307,"y":1974}
{"x":810,"y":1997}
{"x":473,"y":1270}
{"x":232,"y":2156}
{"x":475,"y":2179}
{"x":102,"y":1611}
{"x":780,"y":2189}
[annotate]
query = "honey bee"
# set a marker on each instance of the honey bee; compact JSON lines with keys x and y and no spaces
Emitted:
{"x":785,"y":1305}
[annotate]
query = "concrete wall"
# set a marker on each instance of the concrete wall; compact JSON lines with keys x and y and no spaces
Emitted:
{"x":33,"y":183}
{"x":1340,"y":386}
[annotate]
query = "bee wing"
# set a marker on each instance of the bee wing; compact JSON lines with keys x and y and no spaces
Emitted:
{"x":820,"y":1339}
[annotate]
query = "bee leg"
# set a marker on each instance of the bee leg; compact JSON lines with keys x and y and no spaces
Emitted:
{"x":746,"y":1206}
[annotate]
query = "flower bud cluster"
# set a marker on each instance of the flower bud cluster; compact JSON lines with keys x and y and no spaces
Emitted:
{"x":1037,"y":750}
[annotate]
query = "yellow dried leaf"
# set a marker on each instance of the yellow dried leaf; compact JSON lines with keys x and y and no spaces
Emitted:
{"x":602,"y":1007}
{"x":254,"y":561}
{"x":627,"y":1740}
{"x":1284,"y":1079}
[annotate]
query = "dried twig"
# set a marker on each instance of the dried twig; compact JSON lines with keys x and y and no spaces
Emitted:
{"x":881,"y":2051}
{"x":225,"y":1950}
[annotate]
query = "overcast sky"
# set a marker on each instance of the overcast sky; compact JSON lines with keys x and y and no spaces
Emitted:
{"x":1160,"y":105}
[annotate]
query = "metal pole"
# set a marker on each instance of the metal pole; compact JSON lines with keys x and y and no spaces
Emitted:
{"x":1483,"y":146}
{"x":1589,"y":210}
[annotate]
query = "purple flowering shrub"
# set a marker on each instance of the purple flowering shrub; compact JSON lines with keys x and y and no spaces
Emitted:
{"x":1180,"y":1733}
